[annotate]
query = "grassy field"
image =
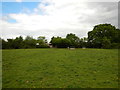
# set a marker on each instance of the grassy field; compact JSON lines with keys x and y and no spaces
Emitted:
{"x":60,"y":68}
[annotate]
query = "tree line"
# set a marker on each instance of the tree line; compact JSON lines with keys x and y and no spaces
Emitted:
{"x":28,"y":42}
{"x":102,"y":36}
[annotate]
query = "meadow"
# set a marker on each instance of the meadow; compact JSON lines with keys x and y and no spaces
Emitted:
{"x":60,"y":68}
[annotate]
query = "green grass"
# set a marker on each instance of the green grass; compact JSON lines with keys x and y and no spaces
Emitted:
{"x":60,"y":68}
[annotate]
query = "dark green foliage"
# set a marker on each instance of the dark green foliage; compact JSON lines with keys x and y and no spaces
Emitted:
{"x":75,"y":41}
{"x":0,"y":43}
{"x":42,"y":42}
{"x":4,"y":44}
{"x":18,"y":42}
{"x":60,"y":42}
{"x":83,"y":42}
{"x":55,"y":41}
{"x":10,"y":43}
{"x":115,"y":45}
{"x":106,"y":43}
{"x":13,"y":43}
{"x":71,"y":40}
{"x":28,"y":42}
{"x":65,"y":43}
{"x":103,"y":35}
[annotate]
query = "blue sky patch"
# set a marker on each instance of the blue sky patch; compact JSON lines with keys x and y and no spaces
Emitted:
{"x":17,"y":7}
{"x":12,"y":20}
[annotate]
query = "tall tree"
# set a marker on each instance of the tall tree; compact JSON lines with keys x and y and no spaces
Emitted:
{"x":29,"y":42}
{"x":42,"y":42}
{"x":83,"y":42}
{"x":18,"y":42}
{"x":4,"y":44}
{"x":55,"y":41}
{"x":0,"y":43}
{"x":75,"y":41}
{"x":100,"y":32}
{"x":60,"y":42}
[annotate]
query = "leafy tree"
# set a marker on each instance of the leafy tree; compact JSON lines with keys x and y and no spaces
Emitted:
{"x":116,"y":37}
{"x":60,"y":42}
{"x":10,"y":43}
{"x":42,"y":42}
{"x":0,"y":43}
{"x":56,"y":41}
{"x":18,"y":42}
{"x":102,"y":33}
{"x":74,"y":40}
{"x":106,"y":43}
{"x":29,"y":42}
{"x":83,"y":42}
{"x":65,"y":43}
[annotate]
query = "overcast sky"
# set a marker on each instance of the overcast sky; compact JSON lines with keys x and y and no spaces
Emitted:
{"x":55,"y":17}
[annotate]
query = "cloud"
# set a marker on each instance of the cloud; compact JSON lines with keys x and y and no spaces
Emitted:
{"x":18,"y":0}
{"x":58,"y":18}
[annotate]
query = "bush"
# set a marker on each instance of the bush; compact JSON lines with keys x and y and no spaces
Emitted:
{"x":115,"y":45}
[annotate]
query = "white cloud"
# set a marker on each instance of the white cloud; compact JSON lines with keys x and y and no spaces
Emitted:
{"x":18,"y":0}
{"x":58,"y":18}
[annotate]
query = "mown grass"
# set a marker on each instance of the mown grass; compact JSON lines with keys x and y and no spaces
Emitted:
{"x":60,"y":68}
